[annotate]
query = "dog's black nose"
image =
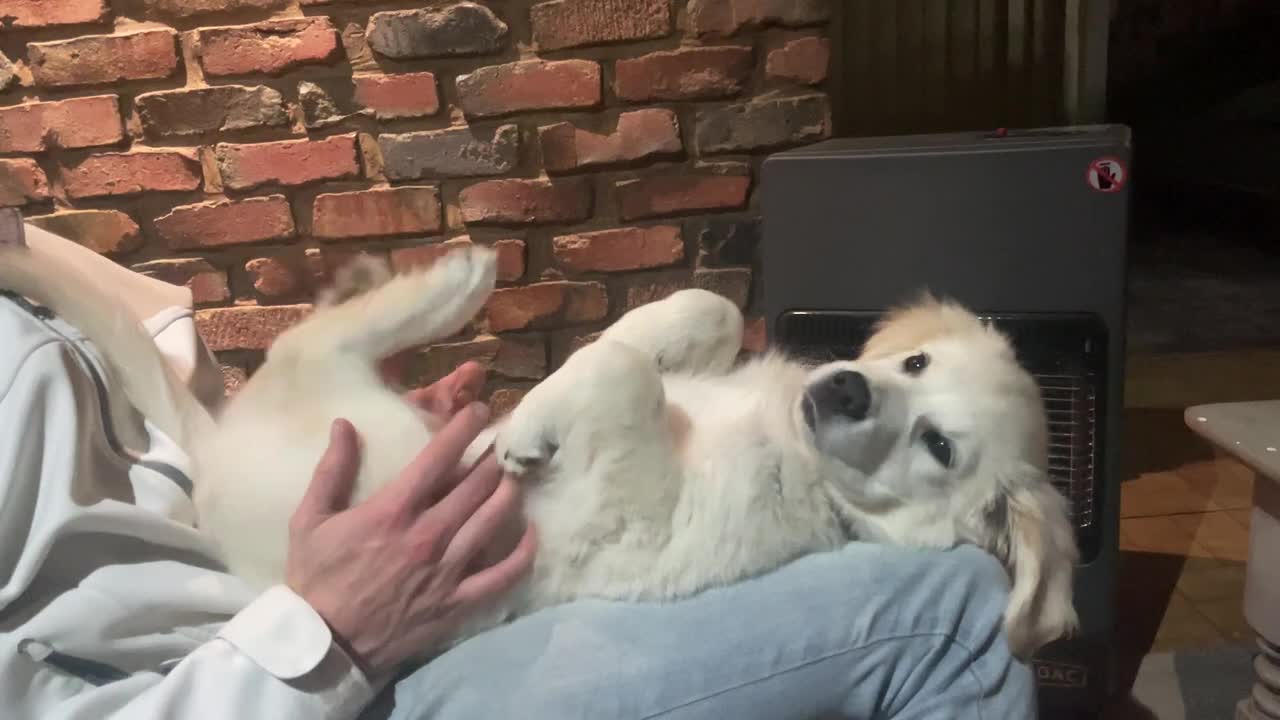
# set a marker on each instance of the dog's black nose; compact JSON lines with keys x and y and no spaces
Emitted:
{"x":845,"y":393}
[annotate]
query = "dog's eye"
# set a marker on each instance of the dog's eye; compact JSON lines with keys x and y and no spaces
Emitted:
{"x":939,"y":447}
{"x":915,"y":364}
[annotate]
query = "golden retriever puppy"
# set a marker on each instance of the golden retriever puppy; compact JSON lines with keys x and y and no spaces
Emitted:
{"x":653,"y":467}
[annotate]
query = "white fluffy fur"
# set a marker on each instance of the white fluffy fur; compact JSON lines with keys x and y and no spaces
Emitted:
{"x":653,"y":467}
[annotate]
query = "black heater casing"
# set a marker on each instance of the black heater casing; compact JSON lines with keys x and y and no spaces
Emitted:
{"x":1029,"y":228}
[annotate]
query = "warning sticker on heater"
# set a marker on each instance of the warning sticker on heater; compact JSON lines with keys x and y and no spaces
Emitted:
{"x":1107,"y":175}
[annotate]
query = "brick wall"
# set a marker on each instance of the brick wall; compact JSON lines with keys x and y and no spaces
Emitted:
{"x":608,"y":148}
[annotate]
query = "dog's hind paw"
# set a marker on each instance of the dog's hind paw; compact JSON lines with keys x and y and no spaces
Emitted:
{"x":360,"y":275}
{"x":463,"y":279}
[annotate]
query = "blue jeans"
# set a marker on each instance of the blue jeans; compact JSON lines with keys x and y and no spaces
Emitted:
{"x":865,"y":632}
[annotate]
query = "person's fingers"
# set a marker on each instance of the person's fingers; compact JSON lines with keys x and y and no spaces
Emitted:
{"x":335,"y":473}
{"x":451,"y":393}
{"x":435,"y":463}
{"x":470,"y":383}
{"x":450,"y":508}
{"x":474,"y":529}
{"x":392,"y":369}
{"x":499,"y":577}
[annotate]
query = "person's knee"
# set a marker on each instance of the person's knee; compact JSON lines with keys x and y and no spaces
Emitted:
{"x":960,"y":590}
{"x":972,"y":565}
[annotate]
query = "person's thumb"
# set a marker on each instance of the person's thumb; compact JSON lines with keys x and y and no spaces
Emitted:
{"x":330,"y":488}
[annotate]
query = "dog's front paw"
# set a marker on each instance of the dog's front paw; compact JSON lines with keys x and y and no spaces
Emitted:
{"x":523,"y":446}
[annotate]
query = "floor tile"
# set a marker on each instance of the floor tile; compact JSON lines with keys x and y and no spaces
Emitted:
{"x":1161,"y":535}
{"x":1183,"y":627}
{"x":1227,"y":615}
{"x":1157,"y":692}
{"x":1205,"y":579}
{"x":1162,"y":493}
{"x":1217,"y":533}
{"x":1225,"y":481}
{"x":1243,"y":517}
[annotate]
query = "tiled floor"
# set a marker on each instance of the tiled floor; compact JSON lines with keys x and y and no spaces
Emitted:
{"x":1184,"y":509}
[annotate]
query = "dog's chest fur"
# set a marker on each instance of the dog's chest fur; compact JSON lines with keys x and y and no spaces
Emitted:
{"x":745,"y":497}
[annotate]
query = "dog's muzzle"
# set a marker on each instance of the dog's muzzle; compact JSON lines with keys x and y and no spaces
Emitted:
{"x":845,"y":394}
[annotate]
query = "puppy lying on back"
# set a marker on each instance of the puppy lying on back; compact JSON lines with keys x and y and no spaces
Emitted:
{"x":653,"y":468}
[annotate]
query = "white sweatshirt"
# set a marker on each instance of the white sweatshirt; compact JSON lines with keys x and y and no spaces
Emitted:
{"x":111,"y":605}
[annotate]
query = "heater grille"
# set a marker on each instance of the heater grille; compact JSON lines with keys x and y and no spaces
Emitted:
{"x":1065,"y":353}
{"x":1069,"y":402}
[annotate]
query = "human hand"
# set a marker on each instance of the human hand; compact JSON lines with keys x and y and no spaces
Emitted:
{"x":445,"y":397}
{"x":395,"y":574}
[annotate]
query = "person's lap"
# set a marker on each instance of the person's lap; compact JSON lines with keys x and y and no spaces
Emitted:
{"x":866,"y":632}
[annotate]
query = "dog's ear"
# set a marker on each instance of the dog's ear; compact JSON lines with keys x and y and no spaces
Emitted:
{"x":1031,"y":533}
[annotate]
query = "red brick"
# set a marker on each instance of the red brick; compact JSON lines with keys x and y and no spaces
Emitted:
{"x":544,"y":304}
{"x":516,"y":201}
{"x":574,"y":344}
{"x":208,"y":285}
{"x":188,"y":8}
{"x":274,"y":277}
{"x":521,"y":358}
{"x":803,"y":60}
{"x":755,"y":335}
{"x":381,"y":211}
{"x":76,"y":123}
{"x":636,"y":135}
{"x":762,"y":124}
{"x":131,"y":173}
{"x":504,"y":400}
{"x":421,"y":256}
{"x":96,"y":59}
{"x":22,"y":181}
{"x":46,"y":13}
{"x":247,"y":327}
{"x":398,"y":96}
{"x":510,"y":256}
{"x":671,"y":193}
{"x":232,"y":378}
{"x":287,"y":162}
{"x":8,"y":73}
{"x":456,"y":30}
{"x":322,"y":263}
{"x":620,"y":249}
{"x":732,"y":283}
{"x":437,"y":361}
{"x":726,"y":17}
{"x":109,"y":232}
{"x":573,"y":23}
{"x":725,"y":241}
{"x":268,"y":47}
{"x":195,"y":111}
{"x":511,"y":259}
{"x":226,"y":222}
{"x":530,"y":85}
{"x":695,"y":73}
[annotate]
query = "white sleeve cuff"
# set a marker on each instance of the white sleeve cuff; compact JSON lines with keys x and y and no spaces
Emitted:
{"x":280,"y":632}
{"x":285,"y":636}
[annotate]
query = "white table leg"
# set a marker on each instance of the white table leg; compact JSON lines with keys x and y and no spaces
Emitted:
{"x":1262,"y":601}
{"x":1264,"y":702}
